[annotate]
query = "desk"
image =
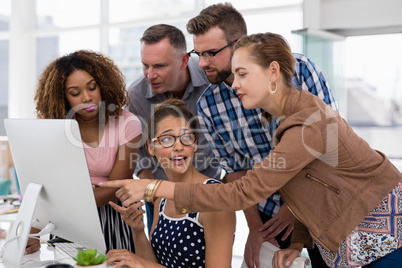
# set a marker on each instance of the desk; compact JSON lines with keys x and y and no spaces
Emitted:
{"x":45,"y":256}
{"x":6,"y":221}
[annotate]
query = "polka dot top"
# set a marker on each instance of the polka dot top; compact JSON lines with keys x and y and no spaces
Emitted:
{"x":179,"y":242}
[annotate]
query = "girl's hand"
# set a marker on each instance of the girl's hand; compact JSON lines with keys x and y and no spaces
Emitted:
{"x":132,"y":215}
{"x":123,"y":257}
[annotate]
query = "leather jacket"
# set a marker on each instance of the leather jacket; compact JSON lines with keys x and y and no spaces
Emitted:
{"x":327,"y":175}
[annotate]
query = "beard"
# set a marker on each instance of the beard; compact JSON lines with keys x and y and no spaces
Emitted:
{"x":220,"y":77}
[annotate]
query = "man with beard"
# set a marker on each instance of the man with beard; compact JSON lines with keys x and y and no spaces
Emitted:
{"x":167,"y":73}
{"x":236,"y":135}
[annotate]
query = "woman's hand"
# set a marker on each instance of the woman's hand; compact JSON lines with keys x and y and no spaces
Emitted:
{"x":132,"y":215}
{"x":33,"y":244}
{"x":123,"y":257}
{"x":290,"y":254}
{"x":130,"y":191}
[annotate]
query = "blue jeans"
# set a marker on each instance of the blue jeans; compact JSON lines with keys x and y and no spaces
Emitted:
{"x":393,"y":259}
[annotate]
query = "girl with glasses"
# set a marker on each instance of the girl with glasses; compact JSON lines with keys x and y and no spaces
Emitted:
{"x":177,"y":240}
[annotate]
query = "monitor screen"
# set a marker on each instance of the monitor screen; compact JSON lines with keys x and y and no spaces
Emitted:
{"x":49,"y":152}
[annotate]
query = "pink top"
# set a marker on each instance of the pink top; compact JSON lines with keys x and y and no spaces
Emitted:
{"x":101,"y":159}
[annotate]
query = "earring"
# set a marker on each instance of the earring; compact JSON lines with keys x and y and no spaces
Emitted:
{"x":272,"y":92}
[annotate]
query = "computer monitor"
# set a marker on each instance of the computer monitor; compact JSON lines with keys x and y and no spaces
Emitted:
{"x":51,"y":167}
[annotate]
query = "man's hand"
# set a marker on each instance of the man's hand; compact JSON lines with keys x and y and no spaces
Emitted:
{"x":253,"y":244}
{"x":290,"y":254}
{"x":283,"y":220}
{"x":255,"y":238}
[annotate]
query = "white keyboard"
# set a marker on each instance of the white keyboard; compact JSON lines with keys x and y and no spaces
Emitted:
{"x":69,"y":249}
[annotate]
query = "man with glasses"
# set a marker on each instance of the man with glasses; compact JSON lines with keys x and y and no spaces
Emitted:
{"x":167,"y":72}
{"x":236,"y":135}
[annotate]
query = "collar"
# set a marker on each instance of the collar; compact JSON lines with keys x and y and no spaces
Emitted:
{"x":198,"y":78}
{"x":291,"y":101}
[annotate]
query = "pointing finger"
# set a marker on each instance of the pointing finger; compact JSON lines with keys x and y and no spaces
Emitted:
{"x":114,"y":183}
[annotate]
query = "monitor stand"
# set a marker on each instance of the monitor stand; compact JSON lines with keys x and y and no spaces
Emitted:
{"x":18,"y":235}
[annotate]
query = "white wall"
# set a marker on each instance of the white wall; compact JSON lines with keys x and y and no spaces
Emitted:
{"x":22,"y":59}
{"x":354,"y":17}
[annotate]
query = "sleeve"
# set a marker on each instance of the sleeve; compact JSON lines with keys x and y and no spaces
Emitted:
{"x":301,"y":234}
{"x":129,"y":127}
{"x":288,"y":158}
{"x":310,"y":77}
{"x":221,"y":149}
{"x":144,"y":161}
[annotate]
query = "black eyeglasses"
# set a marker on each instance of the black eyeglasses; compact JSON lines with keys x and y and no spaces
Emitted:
{"x":209,"y":56}
{"x":167,"y":140}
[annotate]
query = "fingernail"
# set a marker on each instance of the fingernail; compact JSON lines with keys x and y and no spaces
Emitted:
{"x":287,"y":263}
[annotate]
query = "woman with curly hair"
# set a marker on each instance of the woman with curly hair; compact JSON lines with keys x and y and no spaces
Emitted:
{"x":90,"y":88}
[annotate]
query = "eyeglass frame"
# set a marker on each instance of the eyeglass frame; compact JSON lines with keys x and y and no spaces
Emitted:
{"x":175,"y":139}
{"x":209,"y":51}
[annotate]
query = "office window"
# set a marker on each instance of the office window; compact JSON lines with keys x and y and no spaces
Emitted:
{"x":3,"y":84}
{"x":124,"y":49}
{"x":256,"y":4}
{"x":63,"y":14}
{"x":271,"y":22}
{"x":373,"y":79}
{"x":5,"y":12}
{"x":50,"y":47}
{"x":128,"y":10}
{"x":115,"y":27}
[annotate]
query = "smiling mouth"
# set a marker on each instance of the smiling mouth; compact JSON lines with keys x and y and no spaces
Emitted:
{"x":178,"y":160}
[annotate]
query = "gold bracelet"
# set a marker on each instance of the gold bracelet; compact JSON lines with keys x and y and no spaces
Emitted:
{"x":149,"y":194}
{"x":154,"y":190}
{"x":148,"y":191}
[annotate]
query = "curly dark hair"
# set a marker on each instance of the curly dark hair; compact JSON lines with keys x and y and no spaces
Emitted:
{"x":50,"y":99}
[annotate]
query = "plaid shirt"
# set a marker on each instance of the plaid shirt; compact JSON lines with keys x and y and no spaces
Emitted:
{"x":236,"y":135}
